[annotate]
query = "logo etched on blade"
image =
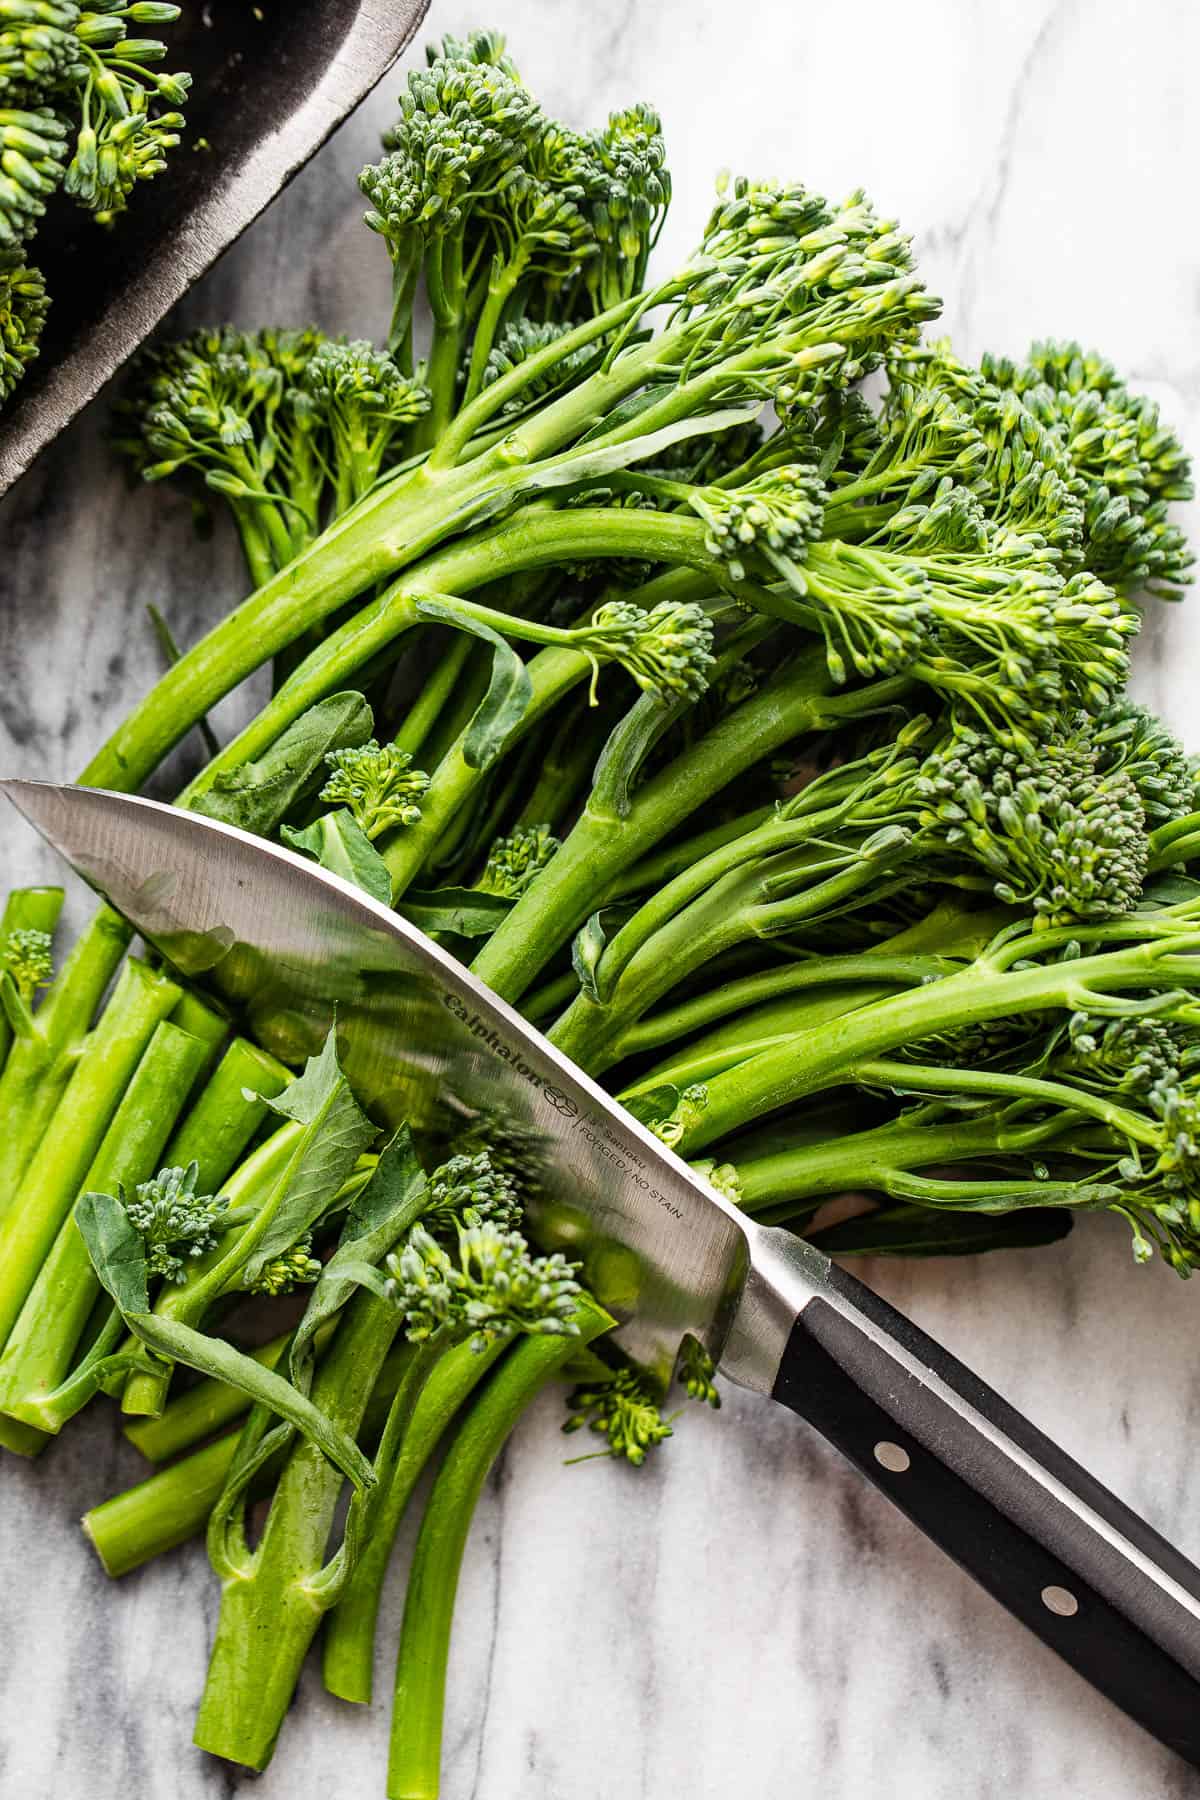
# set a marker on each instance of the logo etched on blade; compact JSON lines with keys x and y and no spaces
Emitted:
{"x":562,"y":1103}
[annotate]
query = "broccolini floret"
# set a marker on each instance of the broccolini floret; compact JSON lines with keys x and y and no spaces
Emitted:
{"x":364,"y":404}
{"x":25,"y":956}
{"x":621,"y":1409}
{"x":294,"y":1268}
{"x":516,"y":860}
{"x":377,"y":784}
{"x":696,"y":1369}
{"x":175,"y":1221}
{"x":522,"y":338}
{"x":1132,"y":740}
{"x":490,"y":1286}
{"x":1058,"y":833}
{"x":24,"y":305}
{"x":667,"y":650}
{"x":33,"y":148}
{"x":39,"y":49}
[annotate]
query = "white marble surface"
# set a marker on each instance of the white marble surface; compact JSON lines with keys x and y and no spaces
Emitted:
{"x":744,"y":1618}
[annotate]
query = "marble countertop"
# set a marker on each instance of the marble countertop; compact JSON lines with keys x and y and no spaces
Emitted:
{"x":744,"y":1617}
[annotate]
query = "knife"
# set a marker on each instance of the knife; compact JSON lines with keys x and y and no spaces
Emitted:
{"x":294,"y":948}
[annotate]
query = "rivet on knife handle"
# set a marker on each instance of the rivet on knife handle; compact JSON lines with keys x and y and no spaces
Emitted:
{"x":1084,"y":1572}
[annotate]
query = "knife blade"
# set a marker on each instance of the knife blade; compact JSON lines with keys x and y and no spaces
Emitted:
{"x":298,"y":949}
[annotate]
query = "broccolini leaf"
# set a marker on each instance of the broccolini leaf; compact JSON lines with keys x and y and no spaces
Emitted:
{"x":503,"y":706}
{"x":466,"y":912}
{"x":340,"y":844}
{"x":584,"y":466}
{"x":222,"y":1362}
{"x":384,"y":1209}
{"x":336,"y":1133}
{"x":116,"y":1248}
{"x":627,"y":747}
{"x":586,"y":951}
{"x":258,"y":796}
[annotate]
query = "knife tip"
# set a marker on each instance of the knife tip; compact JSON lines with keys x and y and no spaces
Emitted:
{"x":39,"y":802}
{"x":14,"y":788}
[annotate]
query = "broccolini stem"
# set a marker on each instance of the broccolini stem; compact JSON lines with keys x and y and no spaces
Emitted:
{"x":500,"y":291}
{"x":40,"y":1065}
{"x":261,"y":563}
{"x":22,"y":1440}
{"x":721,"y":899}
{"x":38,"y":1357}
{"x":26,"y":909}
{"x":845,"y":974}
{"x":544,"y":1003}
{"x":552,"y":673}
{"x":447,"y":291}
{"x":773,"y":1186}
{"x":665,"y":865}
{"x":599,"y":399}
{"x":174,"y":1504}
{"x":166,"y":1509}
{"x":350,"y":1633}
{"x":414,"y":1764}
{"x":537,"y":541}
{"x":589,"y":1031}
{"x":201,"y":1020}
{"x":920,"y":1078}
{"x":228,"y":1112}
{"x":205,"y":1408}
{"x":667,"y":904}
{"x":564,"y":765}
{"x":270,"y":1609}
{"x":819,"y":1058}
{"x":602,"y":845}
{"x":422,"y":716}
{"x":358,"y":550}
{"x":108,"y":1064}
{"x":745,"y":1035}
{"x":405,"y":275}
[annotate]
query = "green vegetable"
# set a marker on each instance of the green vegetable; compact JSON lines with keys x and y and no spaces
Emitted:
{"x":40,"y":1381}
{"x":173,"y":1220}
{"x":65,"y":1158}
{"x":767,"y":742}
{"x":413,"y":1764}
{"x":84,"y":109}
{"x":174,"y":1504}
{"x":621,"y":1409}
{"x":26,"y":938}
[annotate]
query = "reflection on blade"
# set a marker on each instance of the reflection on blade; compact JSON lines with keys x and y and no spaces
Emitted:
{"x":292,"y":947}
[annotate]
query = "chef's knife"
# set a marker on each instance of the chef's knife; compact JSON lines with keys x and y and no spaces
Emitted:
{"x":292,"y":945}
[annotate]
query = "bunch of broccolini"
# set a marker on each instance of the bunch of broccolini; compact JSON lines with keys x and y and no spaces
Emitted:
{"x":85,"y":109}
{"x":766,"y":743}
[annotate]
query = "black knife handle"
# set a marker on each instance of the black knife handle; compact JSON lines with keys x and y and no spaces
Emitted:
{"x":1093,"y":1580}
